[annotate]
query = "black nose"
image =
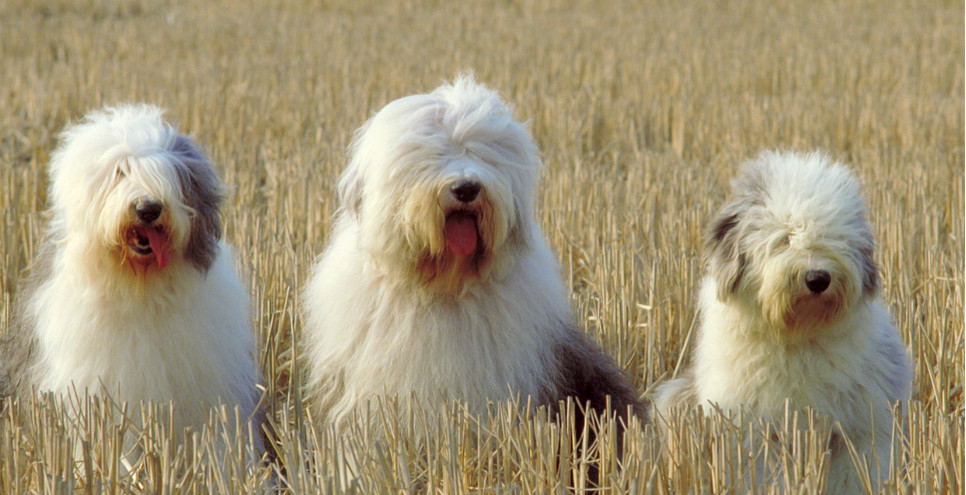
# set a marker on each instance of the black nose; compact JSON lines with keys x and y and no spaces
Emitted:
{"x":817,"y":280}
{"x":466,"y":191}
{"x":148,"y":211}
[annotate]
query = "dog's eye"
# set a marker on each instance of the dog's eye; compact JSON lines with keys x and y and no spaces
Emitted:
{"x":783,"y":241}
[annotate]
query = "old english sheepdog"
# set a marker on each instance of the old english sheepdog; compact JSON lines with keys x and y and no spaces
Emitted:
{"x":790,"y":310}
{"x":438,"y":283}
{"x":132,"y":296}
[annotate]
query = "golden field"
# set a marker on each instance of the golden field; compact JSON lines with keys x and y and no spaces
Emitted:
{"x":642,"y":110}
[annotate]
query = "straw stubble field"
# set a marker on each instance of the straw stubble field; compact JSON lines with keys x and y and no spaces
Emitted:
{"x":642,"y":111}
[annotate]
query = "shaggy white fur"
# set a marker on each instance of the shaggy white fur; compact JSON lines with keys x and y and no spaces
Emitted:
{"x":438,"y":283}
{"x":790,"y":310}
{"x":133,"y":296}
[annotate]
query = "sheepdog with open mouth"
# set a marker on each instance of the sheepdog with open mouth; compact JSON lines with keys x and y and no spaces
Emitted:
{"x":437,"y":283}
{"x":790,"y":311}
{"x":133,"y":296}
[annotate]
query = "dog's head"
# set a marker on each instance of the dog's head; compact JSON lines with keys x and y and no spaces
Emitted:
{"x":442,"y":185}
{"x":125,"y":181}
{"x":793,"y":241}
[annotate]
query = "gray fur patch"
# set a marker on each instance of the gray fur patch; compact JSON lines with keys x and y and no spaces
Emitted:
{"x":202,"y":191}
{"x":589,"y":375}
{"x":722,"y":246}
{"x":19,"y":348}
{"x":722,"y":251}
{"x":870,"y":272}
{"x":18,"y":354}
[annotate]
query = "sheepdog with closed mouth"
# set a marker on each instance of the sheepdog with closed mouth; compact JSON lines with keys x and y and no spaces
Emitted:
{"x":790,"y":310}
{"x":437,"y":283}
{"x":133,"y":296}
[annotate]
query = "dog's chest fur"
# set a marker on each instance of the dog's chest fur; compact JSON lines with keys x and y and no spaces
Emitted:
{"x":185,"y":339}
{"x":377,"y":335}
{"x":838,"y":372}
{"x":477,"y":349}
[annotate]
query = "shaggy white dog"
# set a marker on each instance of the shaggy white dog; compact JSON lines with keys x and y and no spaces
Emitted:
{"x":790,"y":310}
{"x":133,"y":296}
{"x":437,"y":283}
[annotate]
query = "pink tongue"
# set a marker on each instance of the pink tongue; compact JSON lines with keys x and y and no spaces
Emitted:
{"x":460,"y":233}
{"x":157,"y":245}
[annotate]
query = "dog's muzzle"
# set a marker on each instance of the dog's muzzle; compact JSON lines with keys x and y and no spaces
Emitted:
{"x":148,"y":237}
{"x":462,"y":220}
{"x":817,"y":281}
{"x":466,"y":191}
{"x":148,"y":211}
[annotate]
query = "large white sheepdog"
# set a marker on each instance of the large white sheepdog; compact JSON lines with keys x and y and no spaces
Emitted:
{"x":790,"y":310}
{"x":438,"y":283}
{"x":133,"y":296}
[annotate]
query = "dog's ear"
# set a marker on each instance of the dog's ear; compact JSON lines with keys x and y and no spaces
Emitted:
{"x":350,"y":191}
{"x":203,"y":192}
{"x":870,"y":272}
{"x":351,"y":185}
{"x":722,"y":253}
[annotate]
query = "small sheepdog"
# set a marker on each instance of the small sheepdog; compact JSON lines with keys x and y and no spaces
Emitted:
{"x":790,"y":310}
{"x":438,"y":283}
{"x":133,"y":297}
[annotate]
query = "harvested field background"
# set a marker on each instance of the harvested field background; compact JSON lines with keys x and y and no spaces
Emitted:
{"x":643,"y":112}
